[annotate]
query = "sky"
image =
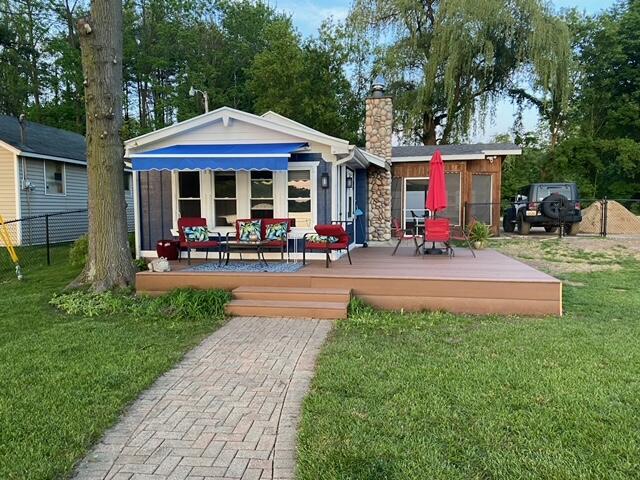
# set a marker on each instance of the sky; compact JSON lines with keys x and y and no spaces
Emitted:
{"x":308,"y":15}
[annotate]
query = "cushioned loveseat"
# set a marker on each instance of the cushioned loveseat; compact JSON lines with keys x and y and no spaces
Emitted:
{"x":274,"y":230}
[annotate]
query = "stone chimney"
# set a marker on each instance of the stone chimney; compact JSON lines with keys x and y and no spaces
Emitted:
{"x":378,"y":132}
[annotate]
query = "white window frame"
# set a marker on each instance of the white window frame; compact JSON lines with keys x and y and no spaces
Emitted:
{"x":64,"y":178}
{"x":273,"y":191}
{"x":175,"y":186}
{"x":404,"y":198}
{"x":312,"y":168}
{"x":214,"y":198}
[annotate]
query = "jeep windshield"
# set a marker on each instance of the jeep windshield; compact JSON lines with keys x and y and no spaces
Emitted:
{"x":545,"y":190}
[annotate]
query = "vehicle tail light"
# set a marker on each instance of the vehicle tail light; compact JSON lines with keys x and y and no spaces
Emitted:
{"x":578,"y":206}
{"x":533,"y":206}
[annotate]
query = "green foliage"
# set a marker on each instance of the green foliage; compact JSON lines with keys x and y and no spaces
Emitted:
{"x":181,"y":304}
{"x":449,"y":61}
{"x":79,"y":251}
{"x":67,"y":378}
{"x":444,"y":396}
{"x":480,"y":232}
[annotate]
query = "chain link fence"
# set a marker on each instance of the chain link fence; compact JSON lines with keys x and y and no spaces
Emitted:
{"x":589,"y":217}
{"x":42,"y":240}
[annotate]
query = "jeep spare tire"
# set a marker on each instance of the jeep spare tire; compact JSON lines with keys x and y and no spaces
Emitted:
{"x":555,"y":205}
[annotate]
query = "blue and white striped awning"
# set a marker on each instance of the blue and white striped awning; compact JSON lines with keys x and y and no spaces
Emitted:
{"x":232,"y":157}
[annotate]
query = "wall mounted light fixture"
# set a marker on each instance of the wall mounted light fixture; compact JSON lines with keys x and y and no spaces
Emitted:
{"x":324,"y":180}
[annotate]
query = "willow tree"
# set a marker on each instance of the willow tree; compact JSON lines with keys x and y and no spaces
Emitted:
{"x":109,"y":262}
{"x":448,"y":62}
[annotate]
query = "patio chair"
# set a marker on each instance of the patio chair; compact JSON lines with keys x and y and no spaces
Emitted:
{"x":459,"y":234}
{"x":438,"y":230}
{"x":327,"y":231}
{"x":404,"y":234}
{"x":185,"y":243}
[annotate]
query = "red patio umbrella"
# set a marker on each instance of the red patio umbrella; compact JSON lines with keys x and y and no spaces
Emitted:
{"x":437,"y":193}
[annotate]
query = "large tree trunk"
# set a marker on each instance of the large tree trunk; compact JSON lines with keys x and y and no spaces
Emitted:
{"x":109,"y":262}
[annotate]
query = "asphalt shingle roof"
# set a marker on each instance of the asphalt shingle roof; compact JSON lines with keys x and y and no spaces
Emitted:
{"x":463,"y":149}
{"x":43,"y":140}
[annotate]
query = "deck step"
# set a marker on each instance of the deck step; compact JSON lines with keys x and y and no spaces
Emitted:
{"x":300,"y":294}
{"x":287,"y":308}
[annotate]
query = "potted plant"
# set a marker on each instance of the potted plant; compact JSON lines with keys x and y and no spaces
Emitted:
{"x":479,"y":233}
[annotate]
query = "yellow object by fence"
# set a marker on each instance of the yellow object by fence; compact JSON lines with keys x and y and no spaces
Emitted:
{"x":6,"y":240}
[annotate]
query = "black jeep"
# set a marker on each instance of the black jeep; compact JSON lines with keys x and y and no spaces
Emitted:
{"x":548,"y":205}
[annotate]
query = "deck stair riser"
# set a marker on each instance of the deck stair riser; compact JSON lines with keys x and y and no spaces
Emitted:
{"x":289,"y":302}
{"x":293,"y":294}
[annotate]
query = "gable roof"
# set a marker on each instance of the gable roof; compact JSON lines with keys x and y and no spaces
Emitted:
{"x":455,"y":152}
{"x":226,"y":114}
{"x":42,"y":140}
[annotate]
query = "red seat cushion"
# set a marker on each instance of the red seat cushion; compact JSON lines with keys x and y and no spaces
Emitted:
{"x":333,"y":231}
{"x":323,"y":246}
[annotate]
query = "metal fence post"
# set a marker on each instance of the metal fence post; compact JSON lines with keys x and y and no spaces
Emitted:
{"x":46,"y":226}
{"x":605,"y":208}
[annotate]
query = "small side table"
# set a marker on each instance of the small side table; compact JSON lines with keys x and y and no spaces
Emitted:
{"x":295,"y":237}
{"x":169,"y":249}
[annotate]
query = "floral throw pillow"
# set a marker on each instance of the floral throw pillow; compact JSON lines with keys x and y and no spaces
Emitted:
{"x":315,"y":238}
{"x":247,"y":229}
{"x":277,"y":231}
{"x":196,"y":234}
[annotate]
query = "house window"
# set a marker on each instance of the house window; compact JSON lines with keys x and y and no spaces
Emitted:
{"x":54,"y":176}
{"x":481,"y":207}
{"x":299,"y":197}
{"x":224,"y":202}
{"x":127,"y":181}
{"x":261,"y":194}
{"x":189,"y":194}
{"x":452,"y":212}
{"x":415,"y":198}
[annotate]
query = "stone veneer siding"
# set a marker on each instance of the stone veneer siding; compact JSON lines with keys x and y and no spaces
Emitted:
{"x":378,"y":131}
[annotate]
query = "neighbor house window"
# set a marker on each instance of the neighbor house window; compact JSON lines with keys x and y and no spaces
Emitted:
{"x":54,"y":178}
{"x":189,"y":194}
{"x":481,"y":207}
{"x":452,"y":212}
{"x":224,"y":202}
{"x":261,"y":194}
{"x":299,"y":197}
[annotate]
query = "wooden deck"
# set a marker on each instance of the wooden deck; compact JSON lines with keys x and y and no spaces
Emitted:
{"x":490,"y":283}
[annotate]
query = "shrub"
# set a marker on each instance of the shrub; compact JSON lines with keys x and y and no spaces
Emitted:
{"x":79,"y":251}
{"x":182,"y":304}
{"x":480,"y":232}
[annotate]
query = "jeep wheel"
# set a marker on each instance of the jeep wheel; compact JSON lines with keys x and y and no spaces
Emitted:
{"x":509,"y":220}
{"x":524,"y":227}
{"x":551,"y":229}
{"x":572,"y":229}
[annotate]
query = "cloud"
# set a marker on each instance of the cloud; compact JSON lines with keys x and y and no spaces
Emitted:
{"x":308,"y":15}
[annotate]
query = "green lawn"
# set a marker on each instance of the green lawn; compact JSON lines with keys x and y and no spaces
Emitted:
{"x":436,"y":395}
{"x":65,"y":379}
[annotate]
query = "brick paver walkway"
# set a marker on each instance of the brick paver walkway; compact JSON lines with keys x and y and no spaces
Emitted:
{"x":228,"y":410}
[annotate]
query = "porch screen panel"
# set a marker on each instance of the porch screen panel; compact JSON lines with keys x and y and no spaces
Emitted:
{"x":481,"y":198}
{"x":299,"y":191}
{"x":415,"y":197}
{"x":452,"y":212}
{"x":189,"y":194}
{"x":261,"y":195}
{"x":225,"y":203}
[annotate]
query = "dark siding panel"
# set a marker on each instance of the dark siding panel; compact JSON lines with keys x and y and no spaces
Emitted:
{"x":155,"y":208}
{"x":362,"y":202}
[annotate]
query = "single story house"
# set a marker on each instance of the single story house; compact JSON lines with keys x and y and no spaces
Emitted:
{"x":227,"y":164}
{"x":43,"y":170}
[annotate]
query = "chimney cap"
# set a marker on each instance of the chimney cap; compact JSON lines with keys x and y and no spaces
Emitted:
{"x":378,"y":86}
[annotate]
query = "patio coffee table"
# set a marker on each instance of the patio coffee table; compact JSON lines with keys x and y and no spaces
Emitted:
{"x":240,"y":246}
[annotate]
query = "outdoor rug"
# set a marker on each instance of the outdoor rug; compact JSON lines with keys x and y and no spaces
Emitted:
{"x":273,"y":267}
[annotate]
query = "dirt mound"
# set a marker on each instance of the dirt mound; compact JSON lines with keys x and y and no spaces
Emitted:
{"x":619,"y":219}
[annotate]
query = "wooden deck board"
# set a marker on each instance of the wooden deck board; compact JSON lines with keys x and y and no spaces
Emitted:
{"x":491,"y":283}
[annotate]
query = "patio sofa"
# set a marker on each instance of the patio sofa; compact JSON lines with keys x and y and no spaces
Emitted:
{"x":278,"y":245}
